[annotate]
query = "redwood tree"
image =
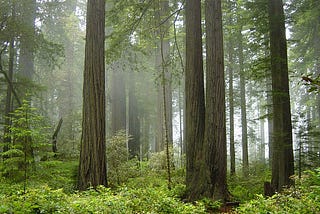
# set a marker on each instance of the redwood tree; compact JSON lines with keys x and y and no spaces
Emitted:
{"x":195,"y":106}
{"x":92,"y":168}
{"x":215,"y":133}
{"x":282,"y":157}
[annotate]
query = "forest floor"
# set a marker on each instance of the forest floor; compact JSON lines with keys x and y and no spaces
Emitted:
{"x":51,"y":188}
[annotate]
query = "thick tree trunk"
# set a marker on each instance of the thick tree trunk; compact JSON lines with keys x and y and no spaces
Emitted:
{"x":316,"y":42}
{"x":282,"y":162}
{"x":215,"y":132}
{"x":92,"y":167}
{"x":196,"y":179}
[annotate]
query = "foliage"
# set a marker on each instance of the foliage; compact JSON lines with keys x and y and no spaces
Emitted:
{"x":312,"y":83}
{"x":120,"y":168}
{"x":50,"y":191}
{"x":145,"y":194}
{"x":29,"y":137}
{"x":245,"y":188}
{"x":303,"y":198}
{"x":56,"y":174}
{"x":102,"y":200}
{"x":158,"y":160}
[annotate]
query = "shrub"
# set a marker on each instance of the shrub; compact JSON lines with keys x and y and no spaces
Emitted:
{"x":120,"y":168}
{"x":158,"y":160}
{"x":30,"y":136}
{"x":303,"y":198}
{"x":99,"y":200}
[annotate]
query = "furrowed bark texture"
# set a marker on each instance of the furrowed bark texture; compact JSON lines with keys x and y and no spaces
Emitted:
{"x":215,"y":133}
{"x":282,"y":163}
{"x":195,"y":107}
{"x":92,"y":168}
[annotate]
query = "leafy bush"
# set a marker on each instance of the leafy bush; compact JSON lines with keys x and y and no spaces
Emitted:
{"x":120,"y":168}
{"x":245,"y":188}
{"x":40,"y":200}
{"x":100,"y":200}
{"x":303,"y":198}
{"x":56,"y":174}
{"x":158,"y":160}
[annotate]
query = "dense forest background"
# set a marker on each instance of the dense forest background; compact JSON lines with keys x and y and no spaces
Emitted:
{"x":160,"y":106}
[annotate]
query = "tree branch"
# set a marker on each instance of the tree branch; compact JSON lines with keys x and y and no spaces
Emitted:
{"x":177,"y":12}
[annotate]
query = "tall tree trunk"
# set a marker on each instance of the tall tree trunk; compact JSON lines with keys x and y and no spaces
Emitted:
{"x":92,"y":167}
{"x":215,"y":132}
{"x":244,"y":139}
{"x":146,"y":135}
{"x":316,"y":42}
{"x":181,"y":140}
{"x":270,"y":119}
{"x":196,"y":180}
{"x":160,"y":129}
{"x":27,"y":43}
{"x":269,"y":104}
{"x":8,"y":104}
{"x":282,"y":162}
{"x":231,"y":110}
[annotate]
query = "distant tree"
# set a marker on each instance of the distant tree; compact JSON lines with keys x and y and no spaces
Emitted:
{"x":134,"y":120}
{"x":282,"y":157}
{"x":8,"y":103}
{"x":118,"y":101}
{"x":243,"y":103}
{"x":27,"y":46}
{"x":27,"y":41}
{"x":258,"y":45}
{"x":230,"y":68}
{"x":165,"y":89}
{"x":231,"y":110}
{"x":305,"y":62}
{"x":92,"y":167}
{"x":162,"y":62}
{"x":59,"y":66}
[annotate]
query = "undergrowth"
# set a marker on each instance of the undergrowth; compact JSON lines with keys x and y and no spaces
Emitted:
{"x":304,"y":197}
{"x":51,"y":189}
